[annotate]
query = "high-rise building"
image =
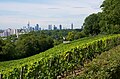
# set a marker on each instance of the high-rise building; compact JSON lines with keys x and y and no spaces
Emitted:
{"x":5,"y":33}
{"x":8,"y":32}
{"x":31,"y":29}
{"x":37,"y":27}
{"x":28,"y":25}
{"x":60,"y":26}
{"x":72,"y":26}
{"x":40,"y":28}
{"x":55,"y":28}
{"x":1,"y":33}
{"x":16,"y":32}
{"x":49,"y":27}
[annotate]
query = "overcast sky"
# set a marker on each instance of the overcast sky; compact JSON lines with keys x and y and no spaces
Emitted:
{"x":17,"y":13}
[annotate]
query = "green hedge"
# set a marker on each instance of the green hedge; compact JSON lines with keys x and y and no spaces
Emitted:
{"x":53,"y":65}
{"x":105,"y":66}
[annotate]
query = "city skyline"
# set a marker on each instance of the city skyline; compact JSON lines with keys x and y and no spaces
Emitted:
{"x":16,"y":13}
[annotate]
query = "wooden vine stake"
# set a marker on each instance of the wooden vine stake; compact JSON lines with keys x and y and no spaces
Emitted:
{"x":1,"y":76}
{"x":21,"y":73}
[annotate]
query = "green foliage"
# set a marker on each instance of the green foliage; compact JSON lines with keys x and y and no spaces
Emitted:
{"x":91,"y":25}
{"x":31,"y":43}
{"x":60,"y":59}
{"x":110,"y":19}
{"x":8,"y":51}
{"x":75,"y":35}
{"x":79,"y":35}
{"x":111,"y":9}
{"x":24,"y":46}
{"x":57,"y":42}
{"x":1,"y":44}
{"x":70,"y":36}
{"x":58,"y":35}
{"x":105,"y":22}
{"x":27,"y":45}
{"x":105,"y":66}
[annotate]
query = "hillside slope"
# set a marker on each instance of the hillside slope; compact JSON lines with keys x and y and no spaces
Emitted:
{"x":56,"y":50}
{"x":58,"y":60}
{"x":105,"y":66}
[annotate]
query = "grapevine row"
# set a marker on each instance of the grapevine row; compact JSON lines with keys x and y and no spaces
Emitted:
{"x":53,"y":65}
{"x":106,"y":66}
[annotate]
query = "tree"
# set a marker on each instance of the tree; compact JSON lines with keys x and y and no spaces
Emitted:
{"x":79,"y":35}
{"x":91,"y":25}
{"x":110,"y":22}
{"x":9,"y":51}
{"x":111,"y":9}
{"x":27,"y":46}
{"x":70,"y":36}
{"x":1,"y":44}
{"x":31,"y":45}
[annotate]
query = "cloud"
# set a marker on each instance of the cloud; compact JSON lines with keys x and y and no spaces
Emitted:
{"x":53,"y":8}
{"x":46,"y":12}
{"x":79,"y":7}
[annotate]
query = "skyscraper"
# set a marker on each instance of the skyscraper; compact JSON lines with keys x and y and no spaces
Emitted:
{"x":28,"y":25}
{"x":60,"y":26}
{"x":49,"y":27}
{"x":55,"y":28}
{"x":37,"y":27}
{"x":72,"y":26}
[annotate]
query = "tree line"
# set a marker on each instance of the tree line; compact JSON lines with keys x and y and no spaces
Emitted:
{"x":24,"y":46}
{"x":33,"y":43}
{"x":105,"y":22}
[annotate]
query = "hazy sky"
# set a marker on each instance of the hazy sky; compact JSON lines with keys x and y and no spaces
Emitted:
{"x":17,"y":13}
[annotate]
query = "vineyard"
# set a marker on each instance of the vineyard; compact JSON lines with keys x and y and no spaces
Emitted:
{"x":59,"y":60}
{"x":105,"y":66}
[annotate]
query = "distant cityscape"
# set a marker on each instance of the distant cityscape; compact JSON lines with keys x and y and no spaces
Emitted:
{"x":28,"y":28}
